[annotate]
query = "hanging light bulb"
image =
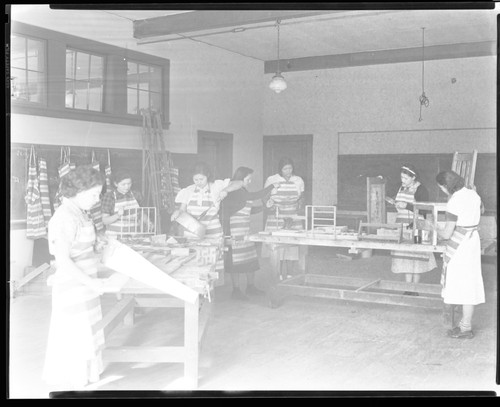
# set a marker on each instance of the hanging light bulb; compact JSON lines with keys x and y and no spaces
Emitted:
{"x":278,"y":83}
{"x":424,"y":100}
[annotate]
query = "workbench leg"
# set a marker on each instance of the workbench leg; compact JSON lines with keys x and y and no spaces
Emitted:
{"x":191,"y":347}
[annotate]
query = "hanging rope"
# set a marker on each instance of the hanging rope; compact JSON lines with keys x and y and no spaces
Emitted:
{"x":424,"y":101}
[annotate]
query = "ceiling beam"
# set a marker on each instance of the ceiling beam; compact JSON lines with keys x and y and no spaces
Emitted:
{"x":449,"y":51}
{"x":210,"y":19}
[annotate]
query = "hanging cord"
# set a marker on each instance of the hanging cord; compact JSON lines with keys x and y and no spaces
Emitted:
{"x":278,"y":27}
{"x":424,"y":101}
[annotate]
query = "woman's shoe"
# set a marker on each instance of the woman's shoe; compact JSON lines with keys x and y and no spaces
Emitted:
{"x":459,"y":334}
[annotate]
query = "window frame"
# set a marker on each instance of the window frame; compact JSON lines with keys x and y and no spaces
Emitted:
{"x":90,"y":53}
{"x":44,"y":90}
{"x":138,"y":89}
{"x":114,"y":109}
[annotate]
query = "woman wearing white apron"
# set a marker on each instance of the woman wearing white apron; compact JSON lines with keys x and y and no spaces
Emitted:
{"x":74,"y":348}
{"x":409,"y":263}
{"x":205,"y":195}
{"x":461,"y":278}
{"x":118,"y":207}
{"x":285,"y":203}
{"x":241,"y":256}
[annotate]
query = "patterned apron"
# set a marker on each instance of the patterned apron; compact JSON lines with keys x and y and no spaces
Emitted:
{"x":452,"y":244}
{"x":409,"y":262}
{"x":200,"y":201}
{"x":128,"y":222}
{"x":286,"y":202}
{"x":74,"y":350}
{"x":244,"y":254}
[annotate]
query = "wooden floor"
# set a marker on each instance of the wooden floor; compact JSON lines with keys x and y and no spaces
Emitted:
{"x":306,"y":344}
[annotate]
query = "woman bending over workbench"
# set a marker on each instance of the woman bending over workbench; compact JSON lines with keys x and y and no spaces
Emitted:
{"x":461,"y":277}
{"x":411,"y":191}
{"x":73,"y":357}
{"x":203,"y":197}
{"x":241,"y":257}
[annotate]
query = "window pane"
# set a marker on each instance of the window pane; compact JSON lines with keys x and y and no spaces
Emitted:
{"x":131,"y":75}
{"x":18,"y":84}
{"x":143,"y":77}
{"x":82,"y":65}
{"x":35,"y":86}
{"x":143,"y":100}
{"x":132,"y":101}
{"x":81,"y":94}
{"x":18,"y":52}
{"x":35,"y":55}
{"x":95,"y":98}
{"x":155,"y":101}
{"x":69,"y":94}
{"x":70,"y":63}
{"x":155,"y":82}
{"x":96,"y":67}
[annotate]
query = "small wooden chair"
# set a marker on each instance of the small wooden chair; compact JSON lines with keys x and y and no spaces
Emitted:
{"x":464,"y":164}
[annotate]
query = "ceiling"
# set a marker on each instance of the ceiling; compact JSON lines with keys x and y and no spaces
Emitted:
{"x":329,"y":32}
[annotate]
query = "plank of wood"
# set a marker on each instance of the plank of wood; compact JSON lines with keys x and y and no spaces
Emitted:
{"x":113,"y":318}
{"x":30,"y":276}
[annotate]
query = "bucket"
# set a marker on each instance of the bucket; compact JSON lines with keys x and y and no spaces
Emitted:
{"x":191,"y":224}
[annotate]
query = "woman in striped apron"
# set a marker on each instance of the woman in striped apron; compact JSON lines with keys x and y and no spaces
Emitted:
{"x":118,"y":207}
{"x":409,"y":263}
{"x":203,"y":197}
{"x":461,"y":277}
{"x":283,"y":208}
{"x":241,"y":255}
{"x":73,"y":357}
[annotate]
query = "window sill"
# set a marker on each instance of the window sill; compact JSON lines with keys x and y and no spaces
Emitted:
{"x":72,"y":114}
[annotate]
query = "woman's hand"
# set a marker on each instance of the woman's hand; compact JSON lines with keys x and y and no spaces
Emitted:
{"x":277,"y":185}
{"x":400,"y":205}
{"x":120,"y":211}
{"x":222,"y":194}
{"x":175,"y":215}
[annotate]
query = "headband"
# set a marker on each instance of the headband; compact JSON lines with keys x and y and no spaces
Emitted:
{"x":407,"y":169}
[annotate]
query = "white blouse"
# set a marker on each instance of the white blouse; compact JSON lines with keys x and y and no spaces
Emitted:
{"x":185,"y":194}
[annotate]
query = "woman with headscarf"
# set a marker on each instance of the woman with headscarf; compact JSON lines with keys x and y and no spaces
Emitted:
{"x":241,"y":257}
{"x":409,"y":263}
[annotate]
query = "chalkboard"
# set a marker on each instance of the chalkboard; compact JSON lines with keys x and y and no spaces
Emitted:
{"x":121,"y":159}
{"x":354,"y":169}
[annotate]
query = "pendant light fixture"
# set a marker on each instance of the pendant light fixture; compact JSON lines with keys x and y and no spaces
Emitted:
{"x":278,"y":83}
{"x":424,"y":101}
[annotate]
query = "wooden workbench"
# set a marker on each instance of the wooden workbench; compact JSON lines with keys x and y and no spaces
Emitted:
{"x":135,"y":294}
{"x":347,"y":288}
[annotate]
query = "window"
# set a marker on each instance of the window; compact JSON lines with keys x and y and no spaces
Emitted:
{"x":84,"y":80}
{"x":144,"y":87}
{"x":27,"y":69}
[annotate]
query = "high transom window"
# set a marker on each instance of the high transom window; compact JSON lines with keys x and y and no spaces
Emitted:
{"x":84,"y":80}
{"x":144,"y":87}
{"x":28,"y":78}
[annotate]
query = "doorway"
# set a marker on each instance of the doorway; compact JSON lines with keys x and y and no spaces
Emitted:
{"x":216,"y":149}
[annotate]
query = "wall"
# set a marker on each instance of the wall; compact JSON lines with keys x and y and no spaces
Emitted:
{"x":379,"y":98}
